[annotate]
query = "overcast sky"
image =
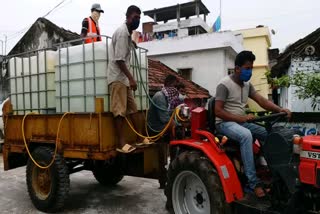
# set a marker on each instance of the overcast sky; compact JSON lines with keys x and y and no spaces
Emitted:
{"x":291,"y":19}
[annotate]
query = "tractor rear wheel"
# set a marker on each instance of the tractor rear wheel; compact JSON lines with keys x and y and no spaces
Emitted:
{"x":194,"y":186}
{"x":48,"y":188}
{"x":107,"y":174}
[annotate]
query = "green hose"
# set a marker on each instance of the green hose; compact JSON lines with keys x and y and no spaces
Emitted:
{"x":144,"y":87}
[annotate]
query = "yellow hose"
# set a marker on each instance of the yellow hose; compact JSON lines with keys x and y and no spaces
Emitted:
{"x":156,"y":137}
{"x":56,"y":145}
{"x":146,"y":127}
{"x":178,"y":116}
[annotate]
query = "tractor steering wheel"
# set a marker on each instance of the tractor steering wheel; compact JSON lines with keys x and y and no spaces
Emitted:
{"x":270,"y":117}
{"x":269,"y":120}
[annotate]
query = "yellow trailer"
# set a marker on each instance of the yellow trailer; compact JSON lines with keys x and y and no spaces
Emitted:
{"x":54,"y":144}
{"x":84,"y":142}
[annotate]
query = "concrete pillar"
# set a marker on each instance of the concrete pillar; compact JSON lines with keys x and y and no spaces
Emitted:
{"x":178,"y":13}
{"x":198,"y":8}
{"x":155,"y":17}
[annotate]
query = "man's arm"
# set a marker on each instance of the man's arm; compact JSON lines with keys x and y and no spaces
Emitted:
{"x":84,"y":29}
{"x":120,"y":48}
{"x":267,"y":104}
{"x":162,"y":104}
{"x":264,"y":103}
{"x":123,"y":67}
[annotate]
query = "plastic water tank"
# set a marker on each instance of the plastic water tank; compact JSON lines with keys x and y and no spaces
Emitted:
{"x":81,"y":76}
{"x":32,"y":86}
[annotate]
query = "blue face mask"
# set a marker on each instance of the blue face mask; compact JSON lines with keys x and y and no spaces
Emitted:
{"x":135,"y":24}
{"x":245,"y":75}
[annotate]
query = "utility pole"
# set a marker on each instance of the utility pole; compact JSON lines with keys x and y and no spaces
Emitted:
{"x":1,"y":47}
{"x":220,"y":15}
{"x":5,"y":44}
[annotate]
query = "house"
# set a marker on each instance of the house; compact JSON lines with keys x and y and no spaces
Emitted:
{"x":258,"y":40}
{"x":196,"y":95}
{"x":177,"y":20}
{"x":303,"y":55}
{"x":42,"y":34}
{"x":180,"y":38}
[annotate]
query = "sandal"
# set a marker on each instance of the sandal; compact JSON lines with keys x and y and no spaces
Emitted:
{"x":261,"y":191}
{"x":145,"y":142}
{"x":126,"y":149}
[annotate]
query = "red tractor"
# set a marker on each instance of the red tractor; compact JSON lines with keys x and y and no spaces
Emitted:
{"x":206,"y":176}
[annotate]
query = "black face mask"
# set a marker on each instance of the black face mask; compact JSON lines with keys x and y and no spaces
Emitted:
{"x":135,"y":24}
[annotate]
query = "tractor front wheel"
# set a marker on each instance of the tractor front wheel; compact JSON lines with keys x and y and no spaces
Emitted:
{"x":194,"y":186}
{"x":48,"y":188}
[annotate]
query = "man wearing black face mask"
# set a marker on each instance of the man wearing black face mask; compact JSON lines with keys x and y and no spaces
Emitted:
{"x":120,"y":79}
{"x":231,"y":98}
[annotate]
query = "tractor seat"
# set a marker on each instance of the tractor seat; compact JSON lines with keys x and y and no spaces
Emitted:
{"x":231,"y":145}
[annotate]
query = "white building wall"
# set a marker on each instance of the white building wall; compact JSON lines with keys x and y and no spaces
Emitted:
{"x":192,"y":22}
{"x":194,"y":43}
{"x":209,"y":55}
{"x":208,"y":67}
{"x":306,"y":65}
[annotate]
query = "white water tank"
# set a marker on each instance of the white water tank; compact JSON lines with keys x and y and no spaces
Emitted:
{"x":81,"y":76}
{"x":32,"y":86}
{"x":69,"y":79}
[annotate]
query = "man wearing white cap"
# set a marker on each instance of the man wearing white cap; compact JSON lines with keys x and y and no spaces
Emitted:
{"x":90,"y":25}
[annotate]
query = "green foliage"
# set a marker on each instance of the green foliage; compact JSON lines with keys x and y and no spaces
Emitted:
{"x":308,"y":86}
{"x":283,"y":81}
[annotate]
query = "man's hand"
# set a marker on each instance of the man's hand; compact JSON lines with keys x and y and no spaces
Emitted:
{"x":133,"y":84}
{"x":289,"y":113}
{"x":246,"y":118}
{"x":134,"y":44}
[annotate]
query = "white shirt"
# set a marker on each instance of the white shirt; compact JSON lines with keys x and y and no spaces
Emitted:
{"x":120,"y":49}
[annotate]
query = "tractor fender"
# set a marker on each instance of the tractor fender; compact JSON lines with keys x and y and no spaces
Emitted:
{"x":226,"y":171}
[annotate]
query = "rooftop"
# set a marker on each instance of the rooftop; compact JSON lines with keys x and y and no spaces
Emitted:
{"x":42,"y":25}
{"x":186,"y":10}
{"x":158,"y":72}
{"x":299,"y":48}
{"x":259,"y":31}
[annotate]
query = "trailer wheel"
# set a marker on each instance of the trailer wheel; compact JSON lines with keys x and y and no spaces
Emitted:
{"x":48,"y":188}
{"x":194,"y":186}
{"x":107,"y":174}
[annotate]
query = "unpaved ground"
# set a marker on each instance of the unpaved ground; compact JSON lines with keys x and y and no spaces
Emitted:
{"x":132,"y":195}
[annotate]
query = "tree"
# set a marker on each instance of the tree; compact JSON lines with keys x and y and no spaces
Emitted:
{"x":307,"y":86}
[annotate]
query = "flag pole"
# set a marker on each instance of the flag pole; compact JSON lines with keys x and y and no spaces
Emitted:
{"x":220,"y":17}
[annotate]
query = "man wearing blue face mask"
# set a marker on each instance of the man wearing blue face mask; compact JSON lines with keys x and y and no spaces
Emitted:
{"x":231,"y":120}
{"x":120,"y":79}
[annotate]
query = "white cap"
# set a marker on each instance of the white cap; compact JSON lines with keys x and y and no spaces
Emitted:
{"x":97,"y":7}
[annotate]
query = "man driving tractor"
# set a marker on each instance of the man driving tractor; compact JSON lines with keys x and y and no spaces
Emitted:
{"x":232,"y":94}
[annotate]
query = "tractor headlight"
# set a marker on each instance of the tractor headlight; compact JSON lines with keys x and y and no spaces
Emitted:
{"x":297,"y":140}
{"x":185,"y":111}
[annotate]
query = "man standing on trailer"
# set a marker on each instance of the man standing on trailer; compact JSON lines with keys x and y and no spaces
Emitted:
{"x":120,"y":79}
{"x":90,"y":25}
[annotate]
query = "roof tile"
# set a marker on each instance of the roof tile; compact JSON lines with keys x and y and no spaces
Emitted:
{"x":158,"y":72}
